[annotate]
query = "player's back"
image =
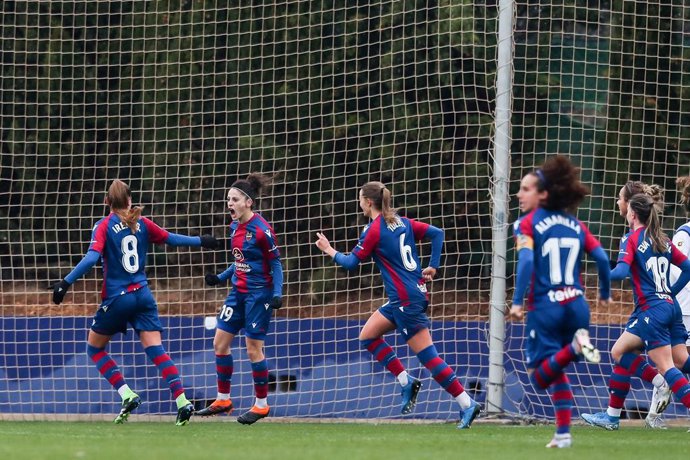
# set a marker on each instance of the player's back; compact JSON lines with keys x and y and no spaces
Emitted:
{"x":649,"y":269}
{"x":124,"y":252}
{"x":559,"y":241}
{"x":397,"y":258}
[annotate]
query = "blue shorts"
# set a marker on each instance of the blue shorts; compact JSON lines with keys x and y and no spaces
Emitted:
{"x":137,"y":308}
{"x":250,"y":311}
{"x":551,"y":326}
{"x":661,"y":324}
{"x":408,"y":320}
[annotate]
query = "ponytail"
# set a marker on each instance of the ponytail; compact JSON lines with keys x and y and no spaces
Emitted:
{"x":381,"y":200}
{"x":647,"y":212}
{"x":118,"y":199}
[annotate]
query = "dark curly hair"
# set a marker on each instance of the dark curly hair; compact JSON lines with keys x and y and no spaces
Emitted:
{"x":561,"y":179}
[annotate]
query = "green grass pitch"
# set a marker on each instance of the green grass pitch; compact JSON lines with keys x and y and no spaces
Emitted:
{"x":351,"y":441}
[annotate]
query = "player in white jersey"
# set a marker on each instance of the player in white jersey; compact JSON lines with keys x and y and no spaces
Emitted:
{"x":681,"y":239}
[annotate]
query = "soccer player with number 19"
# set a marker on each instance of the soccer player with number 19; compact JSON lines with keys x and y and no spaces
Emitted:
{"x":121,"y":241}
{"x":257,"y":283}
{"x":390,"y":240}
{"x":550,"y":244}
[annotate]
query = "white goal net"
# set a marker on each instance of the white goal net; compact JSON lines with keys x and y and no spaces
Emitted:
{"x":181,"y":98}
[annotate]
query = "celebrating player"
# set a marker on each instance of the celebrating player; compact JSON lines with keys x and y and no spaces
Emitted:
{"x":257,"y":283}
{"x":390,"y":240}
{"x":619,"y":382}
{"x":550,"y":242}
{"x":121,"y":240}
{"x":656,"y":324}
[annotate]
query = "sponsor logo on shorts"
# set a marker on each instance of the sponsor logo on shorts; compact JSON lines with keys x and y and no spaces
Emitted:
{"x":565,"y":294}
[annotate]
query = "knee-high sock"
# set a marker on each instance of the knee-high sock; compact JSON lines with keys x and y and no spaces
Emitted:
{"x":679,"y":385}
{"x":638,"y":366}
{"x":384,"y":354}
{"x":260,"y":376}
{"x":167,"y":368}
{"x":619,"y":386}
{"x":440,"y":370}
{"x":549,"y":369}
{"x":106,"y":366}
{"x":562,"y":397}
{"x":224,"y":368}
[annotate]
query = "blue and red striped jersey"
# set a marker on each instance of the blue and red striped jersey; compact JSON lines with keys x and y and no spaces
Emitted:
{"x":649,"y":270}
{"x":392,"y":246}
{"x":558,"y":241}
{"x":253,"y":246}
{"x":123,"y":253}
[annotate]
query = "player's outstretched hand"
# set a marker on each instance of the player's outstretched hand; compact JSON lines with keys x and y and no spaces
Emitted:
{"x":322,"y":242}
{"x":429,"y":273}
{"x":604,"y":302}
{"x":212,"y":279}
{"x":59,"y":290}
{"x":516,"y":313}
{"x":209,"y":242}
{"x":276,"y":302}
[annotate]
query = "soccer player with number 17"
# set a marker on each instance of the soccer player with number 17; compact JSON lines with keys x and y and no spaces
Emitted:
{"x":550,"y":243}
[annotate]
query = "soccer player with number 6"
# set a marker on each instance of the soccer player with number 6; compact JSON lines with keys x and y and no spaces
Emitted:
{"x":121,"y":240}
{"x":257,"y":283}
{"x":550,"y":244}
{"x":390,"y":240}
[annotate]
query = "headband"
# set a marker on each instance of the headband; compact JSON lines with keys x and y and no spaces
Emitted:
{"x":542,"y":178}
{"x":242,"y":191}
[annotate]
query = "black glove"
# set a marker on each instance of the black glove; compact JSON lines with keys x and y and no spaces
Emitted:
{"x":209,"y":242}
{"x":276,"y":302}
{"x":212,"y":279}
{"x":59,"y":291}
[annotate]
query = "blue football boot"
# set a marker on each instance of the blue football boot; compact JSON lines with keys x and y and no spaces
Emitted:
{"x":409,"y":395}
{"x":468,"y":415}
{"x":602,"y":420}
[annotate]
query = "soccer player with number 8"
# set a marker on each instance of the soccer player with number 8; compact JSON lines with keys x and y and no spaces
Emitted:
{"x":390,"y":240}
{"x":121,"y":241}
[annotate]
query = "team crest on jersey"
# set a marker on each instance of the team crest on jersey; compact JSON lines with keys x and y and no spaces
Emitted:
{"x":249,"y":236}
{"x":237,"y":254}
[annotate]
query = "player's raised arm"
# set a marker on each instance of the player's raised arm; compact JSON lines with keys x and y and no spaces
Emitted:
{"x":159,"y":235}
{"x":348,"y":261}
